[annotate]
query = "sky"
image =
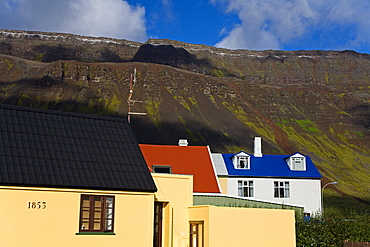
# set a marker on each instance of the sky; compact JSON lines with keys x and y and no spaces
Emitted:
{"x":232,"y":24}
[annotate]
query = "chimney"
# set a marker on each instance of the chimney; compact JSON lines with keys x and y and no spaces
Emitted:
{"x":183,"y":142}
{"x":257,"y":147}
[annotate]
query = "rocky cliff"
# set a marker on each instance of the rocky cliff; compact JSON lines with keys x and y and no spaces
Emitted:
{"x":314,"y":102}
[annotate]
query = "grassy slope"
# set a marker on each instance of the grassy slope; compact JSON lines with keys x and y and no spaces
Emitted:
{"x":222,"y":113}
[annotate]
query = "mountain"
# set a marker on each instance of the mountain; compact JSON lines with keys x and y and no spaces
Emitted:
{"x":314,"y":102}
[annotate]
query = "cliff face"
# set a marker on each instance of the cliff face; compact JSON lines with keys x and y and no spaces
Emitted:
{"x":314,"y":102}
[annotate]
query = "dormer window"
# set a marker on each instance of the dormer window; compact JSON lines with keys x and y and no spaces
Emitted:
{"x":162,"y":169}
{"x":297,"y":162}
{"x":241,"y":161}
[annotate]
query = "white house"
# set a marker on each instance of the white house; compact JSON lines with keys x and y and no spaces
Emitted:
{"x":286,"y":179}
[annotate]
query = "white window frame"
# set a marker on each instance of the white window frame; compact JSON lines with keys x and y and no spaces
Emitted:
{"x":241,"y":158}
{"x":295,"y":160}
{"x":281,"y":189}
{"x":242,"y":162}
{"x":245,"y":188}
{"x":298,"y":164}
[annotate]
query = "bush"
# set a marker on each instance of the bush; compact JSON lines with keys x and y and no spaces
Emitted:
{"x":333,"y":230}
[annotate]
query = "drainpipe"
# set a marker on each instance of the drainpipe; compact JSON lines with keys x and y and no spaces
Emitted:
{"x":172,"y":229}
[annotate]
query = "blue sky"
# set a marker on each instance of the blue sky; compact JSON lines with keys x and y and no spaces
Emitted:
{"x":233,"y":24}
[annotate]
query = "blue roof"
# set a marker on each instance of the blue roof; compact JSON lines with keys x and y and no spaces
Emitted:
{"x":271,"y":166}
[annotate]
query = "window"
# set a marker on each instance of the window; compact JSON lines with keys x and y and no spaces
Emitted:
{"x":96,"y":213}
{"x":161,"y":169}
{"x":158,"y":218}
{"x":196,"y":234}
{"x":245,"y":188}
{"x":242,"y":162}
{"x":306,"y":216}
{"x":298,"y":164}
{"x":281,"y":189}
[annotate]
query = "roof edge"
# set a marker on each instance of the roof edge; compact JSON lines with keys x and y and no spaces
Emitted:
{"x":59,"y":112}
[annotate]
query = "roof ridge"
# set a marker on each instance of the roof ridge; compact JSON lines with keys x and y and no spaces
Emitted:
{"x":165,"y":145}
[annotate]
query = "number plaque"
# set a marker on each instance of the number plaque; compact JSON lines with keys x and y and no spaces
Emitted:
{"x":36,"y":205}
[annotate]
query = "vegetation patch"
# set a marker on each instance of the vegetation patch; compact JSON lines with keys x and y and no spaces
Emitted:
{"x":193,"y":100}
{"x":307,"y":125}
{"x":333,"y":229}
{"x":282,"y":122}
{"x":210,"y":96}
{"x":218,"y":73}
{"x":189,"y":134}
{"x":334,"y":158}
{"x":112,"y":104}
{"x":80,"y":83}
{"x":261,"y":129}
{"x":39,"y":57}
{"x":9,"y":63}
{"x":152,"y":109}
{"x":8,"y":87}
{"x":24,"y":95}
{"x":182,"y":101}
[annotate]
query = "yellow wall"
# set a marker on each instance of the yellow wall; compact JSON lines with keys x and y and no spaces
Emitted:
{"x":223,"y":181}
{"x":245,"y":226}
{"x":177,"y":192}
{"x":58,"y":223}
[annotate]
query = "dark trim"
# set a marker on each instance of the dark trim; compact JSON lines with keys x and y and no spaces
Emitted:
{"x":59,"y":112}
{"x":250,"y":177}
{"x":95,"y":233}
{"x":158,"y":224}
{"x":199,"y":236}
{"x":154,"y":167}
{"x":103,"y":210}
{"x":75,"y":187}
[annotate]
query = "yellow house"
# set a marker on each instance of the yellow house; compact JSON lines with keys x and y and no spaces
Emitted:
{"x":36,"y":216}
{"x":70,"y":179}
{"x":184,"y":225}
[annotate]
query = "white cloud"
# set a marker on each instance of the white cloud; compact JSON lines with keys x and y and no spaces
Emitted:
{"x":108,"y":18}
{"x":275,"y":24}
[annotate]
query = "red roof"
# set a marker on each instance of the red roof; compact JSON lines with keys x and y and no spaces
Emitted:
{"x":191,"y":160}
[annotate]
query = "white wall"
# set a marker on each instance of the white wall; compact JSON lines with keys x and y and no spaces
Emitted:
{"x":303,"y":192}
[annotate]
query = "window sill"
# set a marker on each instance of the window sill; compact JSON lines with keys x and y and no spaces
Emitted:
{"x":95,"y":233}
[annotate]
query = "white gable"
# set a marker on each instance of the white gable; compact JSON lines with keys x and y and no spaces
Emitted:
{"x":297,"y":162}
{"x":241,"y":160}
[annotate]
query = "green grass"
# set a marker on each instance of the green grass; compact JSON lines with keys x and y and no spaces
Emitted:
{"x":152,"y":109}
{"x":305,"y":125}
{"x":218,"y":73}
{"x":9,"y":63}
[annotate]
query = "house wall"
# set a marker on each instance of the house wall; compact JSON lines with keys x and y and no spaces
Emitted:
{"x":223,"y":181}
{"x":58,"y":223}
{"x":245,"y":226}
{"x":305,"y":192}
{"x":176,"y":191}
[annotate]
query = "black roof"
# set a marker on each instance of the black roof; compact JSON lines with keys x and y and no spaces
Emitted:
{"x":45,"y":148}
